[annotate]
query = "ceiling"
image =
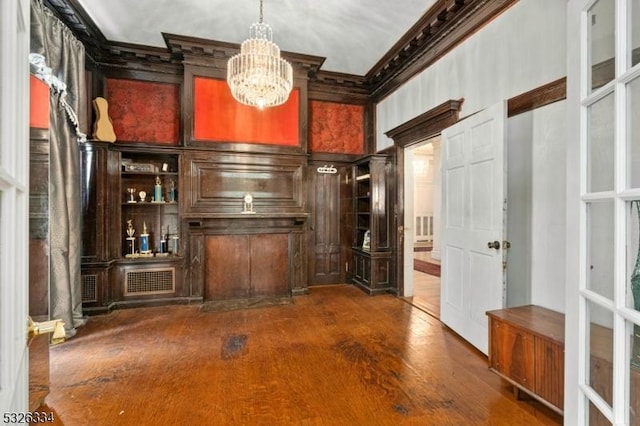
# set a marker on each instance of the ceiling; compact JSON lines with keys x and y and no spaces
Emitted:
{"x":351,"y":34}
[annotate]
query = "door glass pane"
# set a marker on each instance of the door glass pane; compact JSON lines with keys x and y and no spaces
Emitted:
{"x":633,"y":254}
{"x":633,"y":138}
{"x":602,"y":42}
{"x":633,"y":331}
{"x":634,"y":15}
{"x":596,"y":418}
{"x":600,"y":350}
{"x":600,"y":145}
{"x":600,"y":248}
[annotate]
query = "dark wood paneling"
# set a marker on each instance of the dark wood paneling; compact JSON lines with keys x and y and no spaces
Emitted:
{"x":196,"y":262}
{"x":298,"y":263}
{"x":538,"y":97}
{"x":227,"y":273}
{"x":214,"y":184}
{"x":325,"y":252}
{"x":269,"y":265}
{"x":426,"y":125}
{"x":338,"y":87}
{"x":39,"y":223}
{"x":100,"y":168}
{"x":246,"y":266}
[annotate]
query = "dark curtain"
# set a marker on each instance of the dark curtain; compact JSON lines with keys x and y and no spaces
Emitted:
{"x":63,"y":55}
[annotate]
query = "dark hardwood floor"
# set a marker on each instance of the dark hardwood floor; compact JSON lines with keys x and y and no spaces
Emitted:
{"x":334,"y":357}
{"x":426,"y":293}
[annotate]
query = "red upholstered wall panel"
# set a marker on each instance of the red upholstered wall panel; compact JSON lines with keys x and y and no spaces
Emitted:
{"x":143,"y":111}
{"x":218,"y":117}
{"x":38,"y":104}
{"x":336,"y":128}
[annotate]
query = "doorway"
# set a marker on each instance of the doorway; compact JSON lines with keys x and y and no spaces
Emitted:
{"x":421,"y":214}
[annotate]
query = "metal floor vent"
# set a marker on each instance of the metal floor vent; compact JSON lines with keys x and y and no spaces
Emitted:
{"x":149,"y":281}
{"x":89,"y":288}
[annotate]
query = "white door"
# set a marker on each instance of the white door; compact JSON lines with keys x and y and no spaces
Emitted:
{"x":602,"y":338}
{"x":14,"y":202}
{"x":473,"y":209}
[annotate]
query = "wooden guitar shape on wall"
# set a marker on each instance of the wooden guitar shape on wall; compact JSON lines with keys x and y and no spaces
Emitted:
{"x":102,"y":128}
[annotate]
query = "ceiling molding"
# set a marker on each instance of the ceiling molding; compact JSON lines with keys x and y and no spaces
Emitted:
{"x":438,"y":31}
{"x":200,"y":51}
{"x":74,"y":16}
{"x":427,"y":124}
{"x":338,"y":87}
{"x":136,"y":57}
{"x":445,"y":25}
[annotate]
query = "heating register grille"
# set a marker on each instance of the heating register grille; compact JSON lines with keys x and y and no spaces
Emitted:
{"x":149,"y":281}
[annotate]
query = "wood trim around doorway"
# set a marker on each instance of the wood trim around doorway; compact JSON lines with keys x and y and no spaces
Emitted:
{"x":420,"y":128}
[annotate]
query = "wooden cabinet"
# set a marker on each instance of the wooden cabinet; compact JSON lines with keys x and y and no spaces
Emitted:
{"x":150,"y":264}
{"x":372,"y":254}
{"x":156,"y":177}
{"x":246,"y":266}
{"x":99,"y":165}
{"x":526,"y":347}
{"x":114,"y":271}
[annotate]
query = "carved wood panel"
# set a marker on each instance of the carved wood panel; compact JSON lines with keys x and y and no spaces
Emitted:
{"x":246,"y":266}
{"x":269,"y":266}
{"x":227,"y":265}
{"x":325,"y":260}
{"x":216,"y":184}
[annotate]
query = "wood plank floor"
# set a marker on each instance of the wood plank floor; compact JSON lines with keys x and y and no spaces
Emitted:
{"x":334,"y":357}
{"x":426,"y":293}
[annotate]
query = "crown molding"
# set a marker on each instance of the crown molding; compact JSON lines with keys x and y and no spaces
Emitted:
{"x":445,"y":25}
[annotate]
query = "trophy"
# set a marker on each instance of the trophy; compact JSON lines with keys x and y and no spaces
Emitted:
{"x":143,"y":196}
{"x":144,"y":242}
{"x":131,"y":240}
{"x":174,"y":244}
{"x":172,"y":191}
{"x":163,"y":248}
{"x":157,"y":191}
{"x":132,"y":196}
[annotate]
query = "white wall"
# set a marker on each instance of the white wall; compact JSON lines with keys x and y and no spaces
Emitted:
{"x":523,"y":48}
{"x":548,"y":216}
{"x":519,"y":209}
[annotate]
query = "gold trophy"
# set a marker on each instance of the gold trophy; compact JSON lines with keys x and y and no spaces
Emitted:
{"x":132,"y":196}
{"x":131,"y":240}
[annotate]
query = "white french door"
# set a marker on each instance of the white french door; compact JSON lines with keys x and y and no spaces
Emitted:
{"x":473,"y":212}
{"x":14,"y":203}
{"x":602,"y":381}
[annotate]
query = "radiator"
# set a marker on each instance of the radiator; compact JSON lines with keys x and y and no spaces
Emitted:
{"x":424,"y":229}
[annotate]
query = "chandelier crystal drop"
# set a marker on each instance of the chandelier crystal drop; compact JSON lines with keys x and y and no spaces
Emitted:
{"x":258,"y":76}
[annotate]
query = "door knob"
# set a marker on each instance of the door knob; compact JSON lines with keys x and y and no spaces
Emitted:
{"x":493,"y":245}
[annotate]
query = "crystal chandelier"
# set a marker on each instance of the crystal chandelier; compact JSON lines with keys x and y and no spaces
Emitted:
{"x":258,"y":76}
